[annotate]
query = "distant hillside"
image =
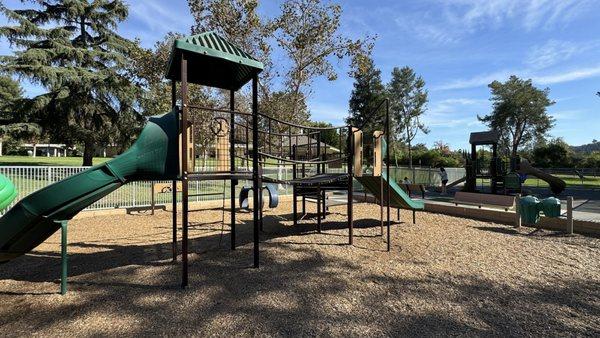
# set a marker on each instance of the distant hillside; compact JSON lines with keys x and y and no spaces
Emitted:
{"x":587,"y":148}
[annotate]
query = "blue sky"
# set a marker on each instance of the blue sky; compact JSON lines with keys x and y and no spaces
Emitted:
{"x":458,"y":46}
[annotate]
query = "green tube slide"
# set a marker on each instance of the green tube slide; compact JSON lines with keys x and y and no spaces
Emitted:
{"x":7,"y":192}
{"x":154,"y":156}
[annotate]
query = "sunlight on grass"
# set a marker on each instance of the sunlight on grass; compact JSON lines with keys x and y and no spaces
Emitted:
{"x":47,"y":161}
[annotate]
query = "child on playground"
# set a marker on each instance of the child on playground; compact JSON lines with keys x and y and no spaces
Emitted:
{"x":444,"y":177}
{"x":406,"y":180}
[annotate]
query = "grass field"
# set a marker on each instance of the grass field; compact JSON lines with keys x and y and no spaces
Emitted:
{"x":588,"y":181}
{"x":47,"y":161}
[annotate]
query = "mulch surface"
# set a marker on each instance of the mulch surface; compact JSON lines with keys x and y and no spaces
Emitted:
{"x":444,"y":276}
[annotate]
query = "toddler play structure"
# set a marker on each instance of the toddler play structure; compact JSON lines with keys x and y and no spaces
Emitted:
{"x":246,"y":143}
{"x":503,"y":178}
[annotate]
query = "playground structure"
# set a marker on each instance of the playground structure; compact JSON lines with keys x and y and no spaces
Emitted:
{"x":503,"y":179}
{"x":246,"y":142}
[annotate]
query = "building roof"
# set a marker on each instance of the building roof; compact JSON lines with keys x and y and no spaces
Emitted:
{"x":484,"y":137}
{"x":215,"y":62}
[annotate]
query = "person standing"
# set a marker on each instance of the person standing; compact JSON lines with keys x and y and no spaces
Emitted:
{"x":444,"y":177}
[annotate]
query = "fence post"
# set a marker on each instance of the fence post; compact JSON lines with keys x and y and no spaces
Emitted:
{"x":570,"y":215}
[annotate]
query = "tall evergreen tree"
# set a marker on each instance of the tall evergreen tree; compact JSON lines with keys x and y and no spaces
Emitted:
{"x":408,"y":100}
{"x":368,"y":92}
{"x":71,"y":49}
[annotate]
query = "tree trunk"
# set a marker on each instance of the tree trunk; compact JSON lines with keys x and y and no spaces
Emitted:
{"x":410,"y":164}
{"x":88,"y":153}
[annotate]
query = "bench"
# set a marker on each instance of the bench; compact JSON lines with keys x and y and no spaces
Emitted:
{"x":499,"y":201}
{"x":413,"y":188}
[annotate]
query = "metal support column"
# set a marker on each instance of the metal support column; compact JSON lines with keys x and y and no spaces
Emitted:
{"x":350,"y":147}
{"x":63,"y":257}
{"x":319,"y":208}
{"x":255,"y":169}
{"x":184,"y":170}
{"x":387,"y":168}
{"x":232,"y":168}
{"x":294,"y":192}
{"x":174,"y":190}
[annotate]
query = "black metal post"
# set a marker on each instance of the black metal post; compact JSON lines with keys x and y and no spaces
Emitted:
{"x":255,"y":169}
{"x":174,"y":190}
{"x":184,"y":169}
{"x":381,"y":191}
{"x":319,"y":208}
{"x":318,"y":151}
{"x":387,"y":167}
{"x":232,"y":163}
{"x":350,"y":146}
{"x":294,"y":192}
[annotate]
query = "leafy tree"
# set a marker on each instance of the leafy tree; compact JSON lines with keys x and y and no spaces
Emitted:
{"x":14,"y":122}
{"x":408,"y":100}
{"x":592,"y":160}
{"x":331,"y":136}
{"x":239,"y":22}
{"x":308,"y":33}
{"x":149,"y":71}
{"x":367,"y":94}
{"x":554,"y":154}
{"x":71,"y":49}
{"x":519,"y":113}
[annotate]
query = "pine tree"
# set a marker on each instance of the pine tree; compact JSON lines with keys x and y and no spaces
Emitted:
{"x":408,"y":99}
{"x":72,"y":50}
{"x":367,"y":94}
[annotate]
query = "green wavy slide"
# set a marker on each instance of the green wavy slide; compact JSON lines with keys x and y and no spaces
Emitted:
{"x":398,"y":198}
{"x":154,"y":156}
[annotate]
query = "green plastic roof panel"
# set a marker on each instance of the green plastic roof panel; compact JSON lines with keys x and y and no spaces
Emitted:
{"x":212,"y":61}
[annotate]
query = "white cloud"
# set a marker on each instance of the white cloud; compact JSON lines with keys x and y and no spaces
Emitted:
{"x":552,"y":52}
{"x":476,"y":81}
{"x":568,"y":76}
{"x":530,"y":14}
{"x":160,"y":18}
{"x":456,"y":19}
{"x":573,"y":114}
{"x":541,"y":79}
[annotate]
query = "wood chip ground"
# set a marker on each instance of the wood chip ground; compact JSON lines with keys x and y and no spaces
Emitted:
{"x":443,"y":276}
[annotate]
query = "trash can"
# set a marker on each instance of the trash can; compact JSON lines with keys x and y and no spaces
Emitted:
{"x":529,"y":209}
{"x":550,"y":207}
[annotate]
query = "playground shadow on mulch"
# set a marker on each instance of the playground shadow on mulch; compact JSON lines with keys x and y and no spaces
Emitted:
{"x":299,"y":290}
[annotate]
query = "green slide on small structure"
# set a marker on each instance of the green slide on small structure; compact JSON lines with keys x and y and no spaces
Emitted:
{"x":154,"y":156}
{"x":398,"y":198}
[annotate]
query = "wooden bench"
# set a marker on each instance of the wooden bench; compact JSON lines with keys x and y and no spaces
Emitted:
{"x":413,"y":188}
{"x":498,"y":201}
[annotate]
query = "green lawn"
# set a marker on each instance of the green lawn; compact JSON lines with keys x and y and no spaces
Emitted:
{"x":572,"y":181}
{"x":46,"y":161}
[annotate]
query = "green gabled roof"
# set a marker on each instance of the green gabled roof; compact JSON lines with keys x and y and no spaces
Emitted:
{"x":212,"y":61}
